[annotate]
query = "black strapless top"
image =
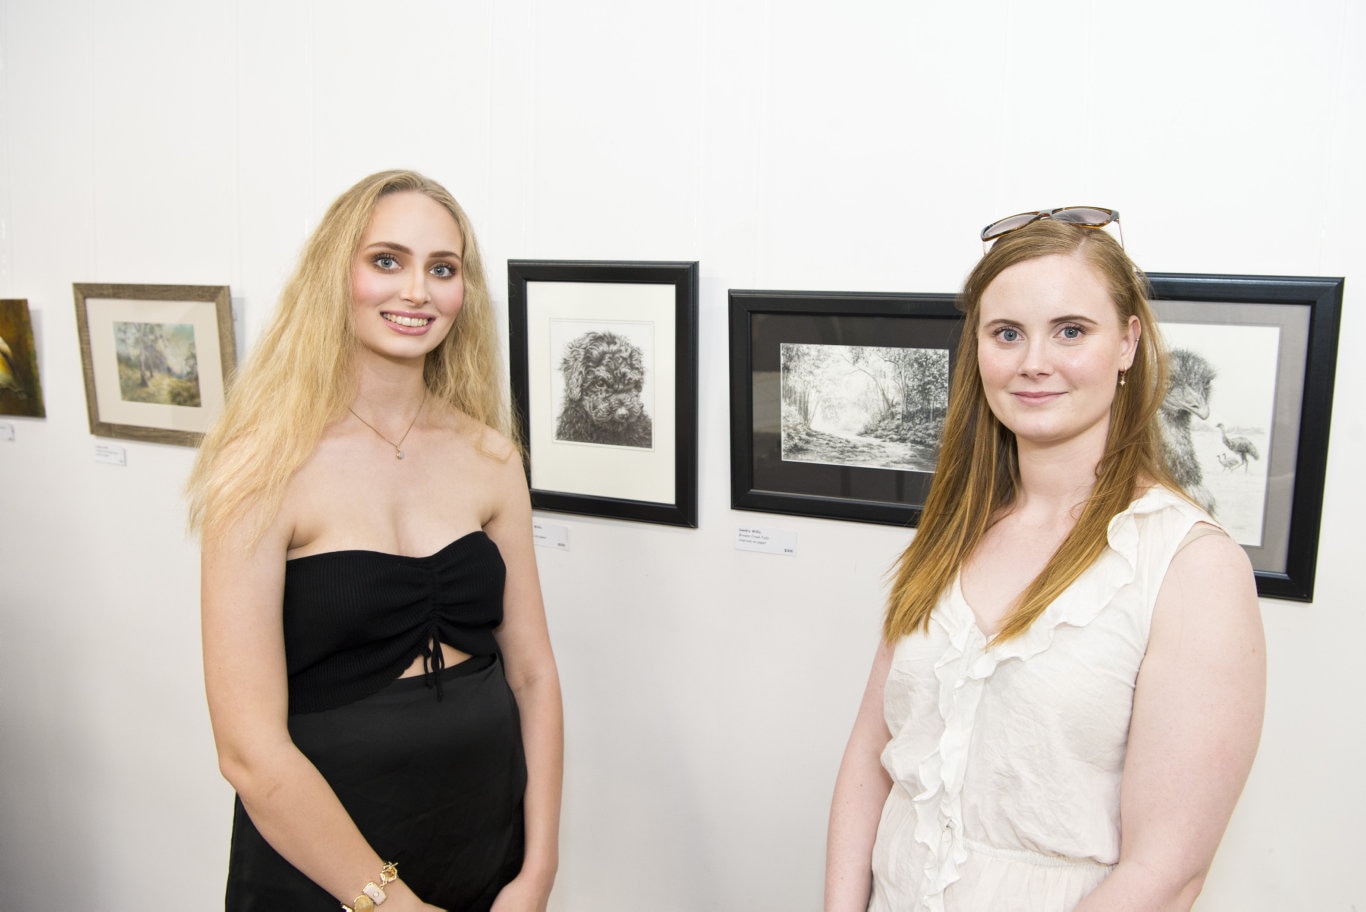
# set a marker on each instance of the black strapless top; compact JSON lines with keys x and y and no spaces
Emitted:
{"x":354,"y":620}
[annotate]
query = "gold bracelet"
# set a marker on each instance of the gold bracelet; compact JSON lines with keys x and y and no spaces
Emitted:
{"x":372,"y":894}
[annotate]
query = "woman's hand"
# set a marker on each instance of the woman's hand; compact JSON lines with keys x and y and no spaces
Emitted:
{"x":521,"y":895}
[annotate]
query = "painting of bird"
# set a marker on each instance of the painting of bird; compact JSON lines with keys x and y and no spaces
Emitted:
{"x":1228,"y":461}
{"x":8,"y":379}
{"x":21,"y":392}
{"x":1242,"y":448}
{"x":1188,"y":395}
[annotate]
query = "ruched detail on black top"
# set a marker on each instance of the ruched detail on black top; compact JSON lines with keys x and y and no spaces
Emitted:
{"x":354,"y":620}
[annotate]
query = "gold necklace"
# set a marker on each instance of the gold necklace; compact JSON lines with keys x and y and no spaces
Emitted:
{"x":398,"y":447}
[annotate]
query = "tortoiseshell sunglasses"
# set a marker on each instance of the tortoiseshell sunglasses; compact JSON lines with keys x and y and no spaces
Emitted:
{"x":1085,"y":216}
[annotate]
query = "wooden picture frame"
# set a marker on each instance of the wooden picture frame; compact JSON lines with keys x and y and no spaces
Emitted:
{"x":156,"y":359}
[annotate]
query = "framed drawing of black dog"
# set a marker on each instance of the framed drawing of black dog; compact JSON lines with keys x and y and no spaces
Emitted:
{"x":603,"y":358}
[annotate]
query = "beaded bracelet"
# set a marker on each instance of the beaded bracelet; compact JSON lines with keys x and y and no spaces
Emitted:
{"x":372,"y":894}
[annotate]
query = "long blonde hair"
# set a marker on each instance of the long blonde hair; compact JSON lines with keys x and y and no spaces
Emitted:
{"x":978,"y":471}
{"x":300,"y":377}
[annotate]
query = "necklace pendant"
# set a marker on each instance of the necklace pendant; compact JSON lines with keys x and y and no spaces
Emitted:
{"x":398,"y":454}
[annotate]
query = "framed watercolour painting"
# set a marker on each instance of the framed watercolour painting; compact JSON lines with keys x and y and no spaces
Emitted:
{"x":1245,"y":422}
{"x":156,"y":359}
{"x":21,"y":393}
{"x":604,"y":380}
{"x":837,"y":401}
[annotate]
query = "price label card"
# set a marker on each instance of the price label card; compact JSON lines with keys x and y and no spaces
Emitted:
{"x":109,"y":454}
{"x":767,"y":541}
{"x":550,"y":535}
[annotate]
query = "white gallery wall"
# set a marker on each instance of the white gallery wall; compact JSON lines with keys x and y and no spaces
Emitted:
{"x":784,"y":145}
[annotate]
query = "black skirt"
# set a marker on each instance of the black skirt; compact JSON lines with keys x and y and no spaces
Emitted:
{"x":435,"y":785}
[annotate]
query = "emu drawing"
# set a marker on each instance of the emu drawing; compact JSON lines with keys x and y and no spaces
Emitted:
{"x":1188,"y":393}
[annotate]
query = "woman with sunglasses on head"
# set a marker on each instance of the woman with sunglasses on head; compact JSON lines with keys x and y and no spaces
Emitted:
{"x":1069,"y":689}
{"x":380,"y":680}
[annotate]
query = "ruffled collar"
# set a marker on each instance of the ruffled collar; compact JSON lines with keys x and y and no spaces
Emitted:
{"x":1077,"y":606}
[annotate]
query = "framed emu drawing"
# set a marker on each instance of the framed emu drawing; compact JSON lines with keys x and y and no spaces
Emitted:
{"x":1245,"y":421}
{"x":837,"y":401}
{"x":156,"y":359}
{"x":604,"y":382}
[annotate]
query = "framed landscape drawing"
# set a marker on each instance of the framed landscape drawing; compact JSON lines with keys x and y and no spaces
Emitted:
{"x":156,"y":359}
{"x":1245,"y":424}
{"x":21,"y":393}
{"x":604,"y":378}
{"x":837,"y":401}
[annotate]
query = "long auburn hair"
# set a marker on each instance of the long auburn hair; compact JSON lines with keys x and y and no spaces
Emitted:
{"x":301,"y":376}
{"x":978,"y":473}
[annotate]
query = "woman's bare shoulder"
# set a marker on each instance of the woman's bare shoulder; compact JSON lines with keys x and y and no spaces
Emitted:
{"x":485,"y":441}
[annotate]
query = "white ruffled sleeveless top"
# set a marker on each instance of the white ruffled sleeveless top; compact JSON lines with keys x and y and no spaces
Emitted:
{"x":1006,"y":761}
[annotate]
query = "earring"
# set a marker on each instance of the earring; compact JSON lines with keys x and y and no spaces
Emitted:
{"x":1121,"y":377}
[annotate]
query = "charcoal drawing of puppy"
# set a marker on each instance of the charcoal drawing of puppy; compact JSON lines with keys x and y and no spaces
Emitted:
{"x":603,"y":376}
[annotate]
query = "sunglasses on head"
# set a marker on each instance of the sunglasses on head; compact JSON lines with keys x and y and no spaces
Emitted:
{"x":1085,"y":216}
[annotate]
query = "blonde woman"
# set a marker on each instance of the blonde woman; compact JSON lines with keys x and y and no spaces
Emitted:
{"x":1069,"y":691}
{"x":380,"y":679}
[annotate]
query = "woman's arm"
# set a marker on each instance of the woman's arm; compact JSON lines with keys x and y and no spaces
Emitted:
{"x":861,"y":789}
{"x":242,"y":587}
{"x":532,"y":675}
{"x":1196,"y":722}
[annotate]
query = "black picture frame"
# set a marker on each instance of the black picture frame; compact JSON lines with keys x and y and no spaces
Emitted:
{"x":1272,"y":341}
{"x":639,"y":320}
{"x":859,"y":484}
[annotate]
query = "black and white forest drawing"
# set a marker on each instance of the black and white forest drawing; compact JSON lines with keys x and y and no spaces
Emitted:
{"x":1217,"y":419}
{"x":601,"y":385}
{"x":866,"y":406}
